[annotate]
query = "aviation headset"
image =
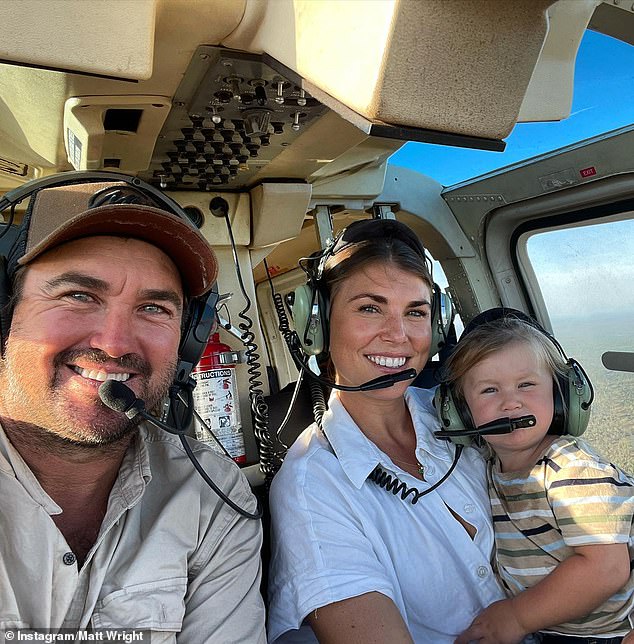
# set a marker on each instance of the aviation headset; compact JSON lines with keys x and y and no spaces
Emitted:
{"x":310,"y":307}
{"x":200,"y":315}
{"x":572,"y":390}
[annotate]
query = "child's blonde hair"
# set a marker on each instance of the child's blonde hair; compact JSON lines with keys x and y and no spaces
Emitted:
{"x":490,"y":337}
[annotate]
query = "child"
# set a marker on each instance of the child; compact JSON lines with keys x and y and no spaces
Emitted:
{"x":562,"y":514}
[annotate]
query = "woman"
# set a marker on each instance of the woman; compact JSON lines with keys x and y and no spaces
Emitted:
{"x":350,"y":560}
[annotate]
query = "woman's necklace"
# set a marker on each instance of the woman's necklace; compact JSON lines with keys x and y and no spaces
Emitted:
{"x":418,"y":465}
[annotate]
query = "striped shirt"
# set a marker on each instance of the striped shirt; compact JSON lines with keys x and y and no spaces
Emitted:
{"x":571,"y":497}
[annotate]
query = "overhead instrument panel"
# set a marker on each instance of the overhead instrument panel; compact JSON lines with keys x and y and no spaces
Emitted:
{"x":231,"y":115}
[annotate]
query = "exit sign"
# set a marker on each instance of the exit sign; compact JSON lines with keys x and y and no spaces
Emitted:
{"x":588,"y":172}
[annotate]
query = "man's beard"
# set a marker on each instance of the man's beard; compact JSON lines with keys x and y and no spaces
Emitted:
{"x":57,"y":420}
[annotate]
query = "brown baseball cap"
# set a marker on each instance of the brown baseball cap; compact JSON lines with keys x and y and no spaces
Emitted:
{"x":63,"y":213}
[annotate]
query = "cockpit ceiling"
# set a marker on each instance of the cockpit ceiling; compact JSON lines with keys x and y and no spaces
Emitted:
{"x":232,"y":92}
{"x":234,"y":113}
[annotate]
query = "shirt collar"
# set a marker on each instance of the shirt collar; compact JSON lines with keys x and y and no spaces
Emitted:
{"x":134,"y":473}
{"x":425,"y":419}
{"x":14,"y":465}
{"x":358,"y":455}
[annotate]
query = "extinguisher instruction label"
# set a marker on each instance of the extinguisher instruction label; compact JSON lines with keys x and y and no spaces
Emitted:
{"x":216,"y":400}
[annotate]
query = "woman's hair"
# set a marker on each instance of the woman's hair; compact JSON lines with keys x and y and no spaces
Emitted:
{"x":382,"y":250}
{"x":489,"y":338}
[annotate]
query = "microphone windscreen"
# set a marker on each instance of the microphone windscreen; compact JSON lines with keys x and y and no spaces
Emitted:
{"x":117,"y":396}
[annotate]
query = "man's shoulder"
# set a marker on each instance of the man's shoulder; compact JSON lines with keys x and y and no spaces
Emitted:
{"x":171,"y":467}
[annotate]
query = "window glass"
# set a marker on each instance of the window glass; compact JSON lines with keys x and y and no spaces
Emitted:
{"x":603,"y":100}
{"x":585,"y":275}
{"x":441,"y":279}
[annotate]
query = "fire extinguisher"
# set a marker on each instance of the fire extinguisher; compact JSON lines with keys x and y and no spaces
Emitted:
{"x":216,"y":399}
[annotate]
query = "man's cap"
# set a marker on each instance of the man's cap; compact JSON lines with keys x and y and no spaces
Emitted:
{"x":65,"y":213}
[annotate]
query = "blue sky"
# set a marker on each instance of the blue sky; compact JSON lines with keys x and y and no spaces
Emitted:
{"x":603,"y":101}
{"x":574,"y":263}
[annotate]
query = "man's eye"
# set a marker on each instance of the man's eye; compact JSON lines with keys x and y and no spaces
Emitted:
{"x":155,"y":308}
{"x":369,"y":308}
{"x":79,"y":296}
{"x":419,"y":313}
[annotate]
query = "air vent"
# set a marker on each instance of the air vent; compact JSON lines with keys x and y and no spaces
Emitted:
{"x":122,"y":120}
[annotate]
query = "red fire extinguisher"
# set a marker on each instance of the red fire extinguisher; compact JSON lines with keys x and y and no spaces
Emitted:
{"x":216,"y":399}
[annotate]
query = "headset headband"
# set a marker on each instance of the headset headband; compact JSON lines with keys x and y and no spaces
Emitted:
{"x":367,"y":231}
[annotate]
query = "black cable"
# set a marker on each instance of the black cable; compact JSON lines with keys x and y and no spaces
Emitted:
{"x":203,"y":425}
{"x":282,"y":426}
{"x":180,"y":431}
{"x":119,"y":397}
{"x":319,"y":400}
{"x":268,"y":458}
{"x":8,"y":224}
{"x":315,"y":388}
{"x":394,"y":485}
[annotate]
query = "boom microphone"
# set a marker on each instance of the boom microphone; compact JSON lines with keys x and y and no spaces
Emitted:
{"x":386,"y":381}
{"x":497,"y":426}
{"x":119,"y":397}
{"x":382,"y":382}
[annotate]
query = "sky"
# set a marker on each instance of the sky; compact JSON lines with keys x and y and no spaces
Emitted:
{"x":588,"y":268}
{"x":603,"y":100}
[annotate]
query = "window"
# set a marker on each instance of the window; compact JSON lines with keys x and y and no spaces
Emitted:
{"x":603,"y":100}
{"x":585,"y":274}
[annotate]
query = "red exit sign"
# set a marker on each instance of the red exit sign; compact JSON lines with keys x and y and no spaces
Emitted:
{"x":588,"y":172}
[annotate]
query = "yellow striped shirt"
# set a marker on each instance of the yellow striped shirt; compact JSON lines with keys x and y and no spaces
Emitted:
{"x":571,"y":497}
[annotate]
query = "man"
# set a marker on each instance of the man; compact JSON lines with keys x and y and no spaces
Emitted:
{"x":103,"y":522}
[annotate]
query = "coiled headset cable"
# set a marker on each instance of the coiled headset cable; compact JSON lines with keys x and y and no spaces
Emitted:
{"x":259,"y":409}
{"x":394,"y":485}
{"x":315,"y":388}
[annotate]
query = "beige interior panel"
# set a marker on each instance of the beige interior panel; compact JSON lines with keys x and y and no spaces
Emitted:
{"x":278,"y":211}
{"x":90,"y":146}
{"x":549,"y":94}
{"x":41,"y":34}
{"x":451,"y":65}
{"x":32,"y":100}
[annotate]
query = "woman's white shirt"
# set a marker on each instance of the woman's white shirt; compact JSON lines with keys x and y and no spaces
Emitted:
{"x":336,"y":534}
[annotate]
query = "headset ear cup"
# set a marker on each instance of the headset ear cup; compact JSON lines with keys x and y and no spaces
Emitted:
{"x":560,"y":406}
{"x":201,"y":321}
{"x":442,"y":314}
{"x":5,"y":299}
{"x":572,"y":394}
{"x":579,"y":392}
{"x":452,"y":416}
{"x":309,"y":316}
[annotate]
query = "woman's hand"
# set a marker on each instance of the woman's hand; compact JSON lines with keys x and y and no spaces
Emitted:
{"x":496,"y":624}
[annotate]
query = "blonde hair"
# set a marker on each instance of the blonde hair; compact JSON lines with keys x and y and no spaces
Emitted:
{"x":489,"y":338}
